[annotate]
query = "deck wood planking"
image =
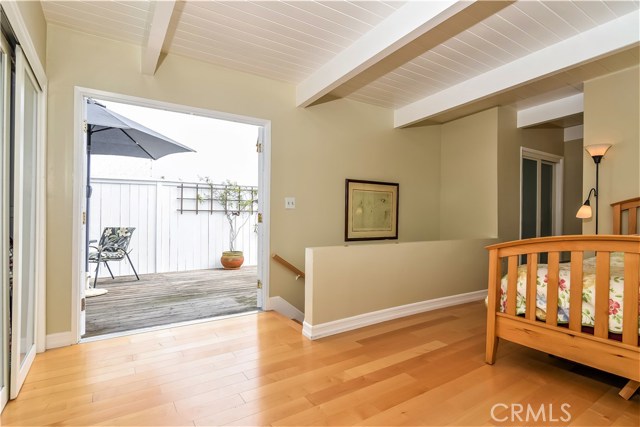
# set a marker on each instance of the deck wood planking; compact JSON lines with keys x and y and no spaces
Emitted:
{"x":165,"y":298}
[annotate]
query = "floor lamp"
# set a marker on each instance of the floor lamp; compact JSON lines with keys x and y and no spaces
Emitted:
{"x":596,"y":152}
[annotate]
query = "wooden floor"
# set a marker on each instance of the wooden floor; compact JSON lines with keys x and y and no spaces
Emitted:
{"x":161,"y":299}
{"x":258,"y":369}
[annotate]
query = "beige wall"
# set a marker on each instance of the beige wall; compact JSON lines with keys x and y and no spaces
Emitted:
{"x":346,"y":281}
{"x":611,"y":115}
{"x":469,"y":177}
{"x":480,"y":155}
{"x":33,"y":17}
{"x":480,"y":194}
{"x":573,"y":197}
{"x":313,"y":151}
{"x":547,"y":140}
{"x":509,"y":143}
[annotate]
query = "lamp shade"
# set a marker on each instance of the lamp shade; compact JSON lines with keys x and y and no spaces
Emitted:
{"x":584,"y":212}
{"x":597,"y":149}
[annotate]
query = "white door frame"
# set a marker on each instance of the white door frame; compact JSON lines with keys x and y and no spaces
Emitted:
{"x":558,"y":177}
{"x":5,"y":118}
{"x":79,"y":170}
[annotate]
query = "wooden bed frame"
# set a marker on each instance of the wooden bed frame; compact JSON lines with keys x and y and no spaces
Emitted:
{"x":596,"y":349}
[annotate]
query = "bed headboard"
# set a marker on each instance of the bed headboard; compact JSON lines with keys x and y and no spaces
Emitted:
{"x":626,"y":209}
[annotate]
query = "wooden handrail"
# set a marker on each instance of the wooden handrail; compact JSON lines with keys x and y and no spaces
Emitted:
{"x":299,"y":273}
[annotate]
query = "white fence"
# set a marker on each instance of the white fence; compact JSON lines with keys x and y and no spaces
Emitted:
{"x":164,"y":240}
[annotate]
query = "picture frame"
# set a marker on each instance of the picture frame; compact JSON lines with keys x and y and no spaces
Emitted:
{"x":371,"y":210}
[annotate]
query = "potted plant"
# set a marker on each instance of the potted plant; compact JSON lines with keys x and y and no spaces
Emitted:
{"x":237,"y":205}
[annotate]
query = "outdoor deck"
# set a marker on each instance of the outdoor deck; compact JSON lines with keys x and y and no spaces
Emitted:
{"x":160,"y":299}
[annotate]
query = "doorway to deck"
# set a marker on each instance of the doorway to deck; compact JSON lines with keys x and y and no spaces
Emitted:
{"x":180,"y":229}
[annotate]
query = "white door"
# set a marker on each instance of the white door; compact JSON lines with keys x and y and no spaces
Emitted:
{"x":5,"y":96}
{"x":261,"y":214}
{"x":23,"y":342}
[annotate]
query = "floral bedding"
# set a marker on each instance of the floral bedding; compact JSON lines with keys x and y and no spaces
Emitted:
{"x":616,"y":286}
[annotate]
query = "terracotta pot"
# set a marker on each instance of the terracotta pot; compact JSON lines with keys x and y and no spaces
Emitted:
{"x":232,"y":260}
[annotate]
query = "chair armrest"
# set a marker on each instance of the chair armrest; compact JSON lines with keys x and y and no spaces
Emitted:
{"x":110,"y":247}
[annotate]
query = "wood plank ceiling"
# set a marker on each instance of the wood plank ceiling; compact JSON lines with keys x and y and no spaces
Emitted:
{"x":292,"y":40}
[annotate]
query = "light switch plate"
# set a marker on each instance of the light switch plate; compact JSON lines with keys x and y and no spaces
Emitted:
{"x":289,"y":202}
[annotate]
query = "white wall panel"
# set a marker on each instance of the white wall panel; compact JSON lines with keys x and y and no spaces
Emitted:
{"x":164,"y":240}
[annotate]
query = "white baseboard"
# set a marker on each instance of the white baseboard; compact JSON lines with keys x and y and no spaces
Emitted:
{"x":61,"y":339}
{"x":347,"y":324}
{"x":283,"y":307}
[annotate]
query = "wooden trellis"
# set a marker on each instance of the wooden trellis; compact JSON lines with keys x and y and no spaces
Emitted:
{"x":202,"y":198}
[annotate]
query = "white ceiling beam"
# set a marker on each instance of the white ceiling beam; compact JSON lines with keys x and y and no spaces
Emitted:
{"x":573,"y":133}
{"x":551,"y":111}
{"x":157,"y":26}
{"x":611,"y":37}
{"x":401,"y":28}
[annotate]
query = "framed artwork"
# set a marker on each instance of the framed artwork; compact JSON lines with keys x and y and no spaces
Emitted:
{"x":371,"y":210}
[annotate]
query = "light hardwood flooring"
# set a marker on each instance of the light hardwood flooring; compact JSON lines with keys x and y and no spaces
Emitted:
{"x":258,"y":369}
{"x":164,"y":298}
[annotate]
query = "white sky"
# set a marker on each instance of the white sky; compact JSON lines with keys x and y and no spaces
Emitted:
{"x":224,"y":150}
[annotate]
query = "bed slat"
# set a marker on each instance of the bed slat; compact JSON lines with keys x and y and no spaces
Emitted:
{"x":575,"y":292}
{"x":512,"y":278}
{"x":601,"y":323}
{"x":532,"y":280}
{"x":552,"y":288}
{"x":630,"y":301}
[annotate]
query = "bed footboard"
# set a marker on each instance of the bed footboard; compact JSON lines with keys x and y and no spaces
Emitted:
{"x":598,"y":348}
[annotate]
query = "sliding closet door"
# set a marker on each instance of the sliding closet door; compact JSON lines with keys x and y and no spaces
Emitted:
{"x":23,"y":348}
{"x":529,"y":198}
{"x":538,"y":210}
{"x":540,"y":196}
{"x":5,"y":98}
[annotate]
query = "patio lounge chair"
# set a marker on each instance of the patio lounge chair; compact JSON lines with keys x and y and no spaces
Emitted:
{"x":113,"y":246}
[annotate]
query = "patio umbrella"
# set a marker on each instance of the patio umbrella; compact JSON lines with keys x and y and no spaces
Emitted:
{"x":110,"y":133}
{"x":113,"y":134}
